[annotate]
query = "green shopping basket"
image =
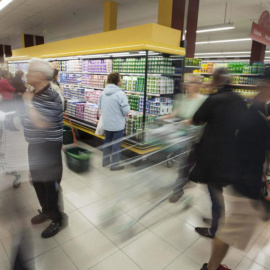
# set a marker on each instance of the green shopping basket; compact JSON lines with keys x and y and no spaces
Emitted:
{"x":78,"y":159}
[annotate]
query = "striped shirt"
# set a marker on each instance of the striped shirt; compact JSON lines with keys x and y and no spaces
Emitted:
{"x":49,"y":105}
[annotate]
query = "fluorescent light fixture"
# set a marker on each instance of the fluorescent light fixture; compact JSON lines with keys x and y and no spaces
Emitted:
{"x":4,"y":3}
{"x":223,"y":41}
{"x":224,"y":56}
{"x":217,"y":27}
{"x":218,"y":53}
{"x":226,"y":61}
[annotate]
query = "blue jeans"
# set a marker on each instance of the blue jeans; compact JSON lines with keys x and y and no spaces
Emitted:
{"x":218,"y":207}
{"x":111,"y":153}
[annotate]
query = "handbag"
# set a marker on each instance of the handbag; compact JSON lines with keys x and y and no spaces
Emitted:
{"x":100,"y":130}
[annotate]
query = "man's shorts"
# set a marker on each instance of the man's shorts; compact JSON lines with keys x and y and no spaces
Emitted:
{"x":238,"y":226}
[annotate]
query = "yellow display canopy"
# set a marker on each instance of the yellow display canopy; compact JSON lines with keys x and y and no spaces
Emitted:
{"x":152,"y":37}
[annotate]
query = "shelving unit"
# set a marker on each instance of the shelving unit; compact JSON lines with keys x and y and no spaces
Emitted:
{"x":167,"y":58}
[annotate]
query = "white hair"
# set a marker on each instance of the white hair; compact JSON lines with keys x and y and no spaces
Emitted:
{"x":38,"y":64}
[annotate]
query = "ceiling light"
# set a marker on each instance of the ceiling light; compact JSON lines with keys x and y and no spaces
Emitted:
{"x":218,"y":53}
{"x":217,"y":27}
{"x":224,"y":56}
{"x":222,"y":41}
{"x":4,"y":3}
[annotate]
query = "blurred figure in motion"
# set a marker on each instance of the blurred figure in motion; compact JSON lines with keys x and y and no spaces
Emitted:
{"x":184,"y":108}
{"x":20,"y":89}
{"x":230,"y":153}
{"x":216,"y":156}
{"x":44,"y":133}
{"x":114,"y":106}
{"x":55,"y":77}
{"x":8,"y":102}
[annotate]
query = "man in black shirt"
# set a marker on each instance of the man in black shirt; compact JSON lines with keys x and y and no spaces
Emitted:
{"x":43,"y":131}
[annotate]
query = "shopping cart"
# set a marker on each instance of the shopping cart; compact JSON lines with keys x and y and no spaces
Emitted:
{"x":173,"y":137}
{"x":4,"y":121}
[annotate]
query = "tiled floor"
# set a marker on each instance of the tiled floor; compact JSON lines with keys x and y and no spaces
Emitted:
{"x":100,"y":237}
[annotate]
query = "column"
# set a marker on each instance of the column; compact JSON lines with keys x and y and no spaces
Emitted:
{"x":110,"y":16}
{"x":192,"y":21}
{"x":165,"y":8}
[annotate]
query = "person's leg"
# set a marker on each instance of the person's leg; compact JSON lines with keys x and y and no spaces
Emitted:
{"x":219,"y":251}
{"x":107,"y":149}
{"x":52,"y":192}
{"x":40,"y":191}
{"x":116,"y":147}
{"x":218,"y":211}
{"x":218,"y":207}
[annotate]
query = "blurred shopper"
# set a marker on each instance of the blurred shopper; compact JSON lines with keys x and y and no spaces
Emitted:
{"x":19,"y":85}
{"x":44,"y":133}
{"x":216,"y":159}
{"x":8,"y":102}
{"x":114,"y":106}
{"x":185,"y":107}
{"x":231,"y":153}
{"x":55,"y":77}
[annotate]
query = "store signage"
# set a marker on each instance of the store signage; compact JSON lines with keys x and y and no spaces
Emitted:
{"x":261,"y":31}
{"x":260,"y":34}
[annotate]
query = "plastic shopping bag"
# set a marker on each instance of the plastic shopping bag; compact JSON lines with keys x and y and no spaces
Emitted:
{"x":100,"y":129}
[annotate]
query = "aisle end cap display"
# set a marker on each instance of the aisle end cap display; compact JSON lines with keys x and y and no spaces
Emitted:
{"x":152,"y":37}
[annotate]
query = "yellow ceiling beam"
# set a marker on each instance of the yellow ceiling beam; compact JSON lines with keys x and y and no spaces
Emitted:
{"x":165,"y":8}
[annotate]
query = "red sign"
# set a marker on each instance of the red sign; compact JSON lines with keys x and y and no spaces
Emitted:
{"x":260,"y":34}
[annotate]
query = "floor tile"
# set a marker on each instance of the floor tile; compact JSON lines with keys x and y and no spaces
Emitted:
{"x":82,"y":197}
{"x":4,"y":261}
{"x":117,"y":261}
{"x":77,"y":225}
{"x":12,"y":203}
{"x":177,"y":233}
{"x":122,"y":230}
{"x":54,"y":259}
{"x":247,"y":264}
{"x":260,"y":251}
{"x":151,"y":252}
{"x":36,"y":244}
{"x":100,"y":212}
{"x":71,"y":184}
{"x":200,"y":253}
{"x":89,"y":249}
{"x":12,"y":222}
{"x":153,"y":218}
{"x":183,"y":262}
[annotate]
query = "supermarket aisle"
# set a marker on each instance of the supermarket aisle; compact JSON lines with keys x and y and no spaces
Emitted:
{"x":164,"y":239}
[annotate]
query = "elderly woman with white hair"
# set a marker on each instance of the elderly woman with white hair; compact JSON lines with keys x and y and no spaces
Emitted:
{"x":44,"y":132}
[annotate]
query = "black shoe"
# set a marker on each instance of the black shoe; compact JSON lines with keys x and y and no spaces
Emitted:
{"x":51,"y":230}
{"x":40,"y":218}
{"x":204,"y":232}
{"x":204,"y":267}
{"x":175,"y":197}
{"x":117,"y":168}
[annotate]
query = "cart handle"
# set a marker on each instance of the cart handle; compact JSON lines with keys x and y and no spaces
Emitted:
{"x":72,"y":129}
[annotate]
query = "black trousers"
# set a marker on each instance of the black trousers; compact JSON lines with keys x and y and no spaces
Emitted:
{"x":45,"y":162}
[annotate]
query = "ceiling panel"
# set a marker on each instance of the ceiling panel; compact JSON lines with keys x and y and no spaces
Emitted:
{"x":60,"y":19}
